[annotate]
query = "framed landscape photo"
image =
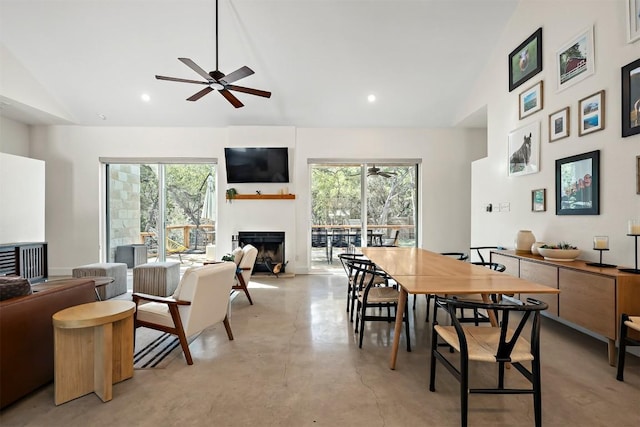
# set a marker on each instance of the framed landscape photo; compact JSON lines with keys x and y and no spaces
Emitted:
{"x":591,"y":113}
{"x":525,"y":61}
{"x":575,"y":60}
{"x":530,"y":100}
{"x":631,"y":98}
{"x":578,"y":184}
{"x":539,"y":200}
{"x":559,"y":124}
{"x":633,"y":20}
{"x":524,"y":150}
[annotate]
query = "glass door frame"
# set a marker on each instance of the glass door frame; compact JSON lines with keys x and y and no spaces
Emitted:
{"x":364,"y":164}
{"x":161,"y":163}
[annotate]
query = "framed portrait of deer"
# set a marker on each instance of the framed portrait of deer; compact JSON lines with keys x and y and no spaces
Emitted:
{"x":524,"y":150}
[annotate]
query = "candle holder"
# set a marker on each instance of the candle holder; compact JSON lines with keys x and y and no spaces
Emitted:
{"x":600,"y":264}
{"x":635,"y":236}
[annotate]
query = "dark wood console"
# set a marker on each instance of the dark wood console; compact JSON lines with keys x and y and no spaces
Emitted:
{"x":28,"y":260}
{"x":590,"y":297}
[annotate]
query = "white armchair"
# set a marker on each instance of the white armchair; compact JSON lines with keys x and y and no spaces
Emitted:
{"x":200,"y":300}
{"x":245,"y":259}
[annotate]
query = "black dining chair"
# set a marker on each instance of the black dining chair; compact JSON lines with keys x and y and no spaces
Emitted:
{"x":503,"y":345}
{"x":345,"y":259}
{"x":375,"y":290}
{"x":626,"y":322}
{"x":319,"y":239}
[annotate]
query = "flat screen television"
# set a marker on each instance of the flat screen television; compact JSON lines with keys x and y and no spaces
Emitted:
{"x":257,"y":164}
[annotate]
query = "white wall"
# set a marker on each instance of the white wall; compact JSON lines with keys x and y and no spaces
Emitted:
{"x":74,"y":187}
{"x":618,"y":199}
{"x":22,"y":199}
{"x":14,"y":137}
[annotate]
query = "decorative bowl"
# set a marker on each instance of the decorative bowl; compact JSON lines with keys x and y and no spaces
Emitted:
{"x":559,"y":254}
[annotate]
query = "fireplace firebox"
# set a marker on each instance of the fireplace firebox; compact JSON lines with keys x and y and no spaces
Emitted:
{"x":270,"y":245}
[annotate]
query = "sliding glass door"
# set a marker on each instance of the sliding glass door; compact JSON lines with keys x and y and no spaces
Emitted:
{"x":169,"y":208}
{"x":389,"y":192}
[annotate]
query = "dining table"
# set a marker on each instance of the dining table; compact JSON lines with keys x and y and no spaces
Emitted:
{"x":419,"y":271}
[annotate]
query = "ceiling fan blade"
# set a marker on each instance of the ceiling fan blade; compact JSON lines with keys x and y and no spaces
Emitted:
{"x":231,"y":98}
{"x":200,"y":94}
{"x":250,"y":91}
{"x":238,"y":74}
{"x":175,"y":79}
{"x":195,"y":67}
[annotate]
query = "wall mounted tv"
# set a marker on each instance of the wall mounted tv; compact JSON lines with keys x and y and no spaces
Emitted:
{"x":257,"y":164}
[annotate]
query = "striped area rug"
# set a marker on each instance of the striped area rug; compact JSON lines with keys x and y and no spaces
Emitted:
{"x":156,"y":349}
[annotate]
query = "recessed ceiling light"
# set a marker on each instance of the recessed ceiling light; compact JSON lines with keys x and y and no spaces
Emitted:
{"x":145,"y":97}
{"x":371,"y":98}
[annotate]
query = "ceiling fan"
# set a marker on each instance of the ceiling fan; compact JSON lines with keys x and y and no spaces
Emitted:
{"x":217,"y":80}
{"x":374,"y":171}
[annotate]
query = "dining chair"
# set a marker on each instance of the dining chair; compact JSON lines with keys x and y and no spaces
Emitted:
{"x":626,"y":322}
{"x":200,"y":300}
{"x":320,"y":239}
{"x":479,"y":251}
{"x":359,"y":278}
{"x":347,"y":266}
{"x":371,"y":293}
{"x":505,"y":344}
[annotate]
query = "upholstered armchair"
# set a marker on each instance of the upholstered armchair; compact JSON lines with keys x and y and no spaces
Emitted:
{"x":245,"y":259}
{"x":200,"y":300}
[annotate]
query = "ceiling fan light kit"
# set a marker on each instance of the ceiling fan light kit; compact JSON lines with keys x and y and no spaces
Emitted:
{"x":217,"y":80}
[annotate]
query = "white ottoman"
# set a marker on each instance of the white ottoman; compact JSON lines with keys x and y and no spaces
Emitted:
{"x":156,"y":278}
{"x":117,"y":270}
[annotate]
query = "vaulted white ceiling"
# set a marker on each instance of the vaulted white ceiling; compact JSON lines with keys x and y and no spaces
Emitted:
{"x":319,"y":58}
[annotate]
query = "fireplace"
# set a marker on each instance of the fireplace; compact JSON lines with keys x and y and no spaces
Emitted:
{"x":270,"y":245}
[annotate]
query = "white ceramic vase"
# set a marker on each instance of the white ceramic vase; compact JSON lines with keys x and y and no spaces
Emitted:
{"x":535,"y":246}
{"x":524,"y":240}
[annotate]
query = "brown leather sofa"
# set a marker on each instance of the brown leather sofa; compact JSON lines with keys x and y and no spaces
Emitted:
{"x":26,"y":335}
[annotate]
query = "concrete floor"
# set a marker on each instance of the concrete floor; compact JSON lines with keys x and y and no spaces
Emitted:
{"x":294,"y":362}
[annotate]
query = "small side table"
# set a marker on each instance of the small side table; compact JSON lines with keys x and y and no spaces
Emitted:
{"x":93,"y":348}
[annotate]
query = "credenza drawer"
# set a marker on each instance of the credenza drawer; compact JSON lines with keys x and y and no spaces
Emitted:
{"x":588,"y":300}
{"x":545,"y":275}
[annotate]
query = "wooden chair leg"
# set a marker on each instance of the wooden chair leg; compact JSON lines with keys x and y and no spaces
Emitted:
{"x":175,"y":315}
{"x":243,"y":286}
{"x":622,"y":348}
{"x":227,"y":326}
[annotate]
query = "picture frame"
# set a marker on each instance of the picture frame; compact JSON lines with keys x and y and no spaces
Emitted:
{"x":591,"y":113}
{"x":578,"y":184}
{"x":531,"y":100}
{"x":575,"y":60}
{"x":525,"y":61}
{"x":524,"y":150}
{"x":633,"y":20}
{"x":559,"y":124}
{"x":637,"y":174}
{"x":631,"y":98}
{"x":539,"y":200}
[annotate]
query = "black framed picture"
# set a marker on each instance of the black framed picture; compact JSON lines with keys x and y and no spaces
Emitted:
{"x":631,"y":99}
{"x":525,"y":61}
{"x":578,"y":184}
{"x":539,"y":200}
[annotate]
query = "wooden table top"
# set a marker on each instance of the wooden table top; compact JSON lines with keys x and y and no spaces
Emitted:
{"x":93,"y":314}
{"x":420,"y":271}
